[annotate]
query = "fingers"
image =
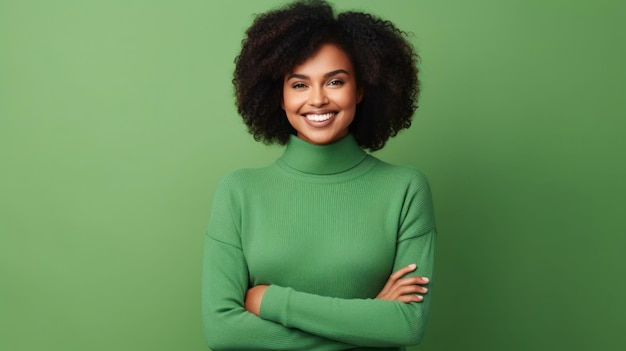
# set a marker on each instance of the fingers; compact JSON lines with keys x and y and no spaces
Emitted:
{"x":409,"y":293}
{"x":410,"y":298}
{"x":393,"y":278}
{"x":410,"y":289}
{"x":404,"y":289}
{"x":413,"y":281}
{"x":403,"y":271}
{"x":395,"y":283}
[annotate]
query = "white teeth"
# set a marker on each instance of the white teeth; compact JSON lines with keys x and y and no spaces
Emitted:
{"x":319,"y":118}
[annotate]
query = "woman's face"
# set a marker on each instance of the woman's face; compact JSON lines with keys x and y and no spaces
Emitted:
{"x":320,"y":96}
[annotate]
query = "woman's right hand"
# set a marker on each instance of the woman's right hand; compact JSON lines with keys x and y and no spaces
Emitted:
{"x":404,"y":289}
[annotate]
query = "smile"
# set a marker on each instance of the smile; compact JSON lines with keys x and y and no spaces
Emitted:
{"x":319,"y":118}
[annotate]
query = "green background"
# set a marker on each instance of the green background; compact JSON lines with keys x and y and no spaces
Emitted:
{"x":117,"y":121}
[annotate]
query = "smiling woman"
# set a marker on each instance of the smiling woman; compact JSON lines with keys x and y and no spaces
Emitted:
{"x":328,"y":248}
{"x":320,"y":96}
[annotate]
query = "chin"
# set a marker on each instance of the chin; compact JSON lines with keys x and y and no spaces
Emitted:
{"x":321,"y":139}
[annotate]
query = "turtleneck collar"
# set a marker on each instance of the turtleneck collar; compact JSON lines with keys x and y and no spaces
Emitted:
{"x":337,"y":157}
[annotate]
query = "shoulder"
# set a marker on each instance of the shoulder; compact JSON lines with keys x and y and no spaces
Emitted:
{"x":242,"y":176}
{"x":234,"y":187}
{"x":409,"y":176}
{"x":246,"y":180}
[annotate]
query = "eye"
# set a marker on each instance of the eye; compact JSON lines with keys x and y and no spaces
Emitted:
{"x":298,"y":85}
{"x":336,"y":82}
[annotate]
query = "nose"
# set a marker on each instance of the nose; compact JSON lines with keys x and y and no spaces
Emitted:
{"x":318,"y":97}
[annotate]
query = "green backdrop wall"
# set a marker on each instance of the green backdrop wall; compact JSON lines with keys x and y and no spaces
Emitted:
{"x":117,"y":121}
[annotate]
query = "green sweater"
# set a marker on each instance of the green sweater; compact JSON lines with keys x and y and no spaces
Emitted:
{"x":324,"y":227}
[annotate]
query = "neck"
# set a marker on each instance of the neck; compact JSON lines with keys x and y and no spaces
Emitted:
{"x":333,"y":158}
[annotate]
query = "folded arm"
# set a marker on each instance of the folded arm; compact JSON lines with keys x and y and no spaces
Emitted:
{"x":227,"y":325}
{"x":363,"y":322}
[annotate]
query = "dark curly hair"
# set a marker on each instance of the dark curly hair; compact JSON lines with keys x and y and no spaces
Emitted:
{"x":279,"y":40}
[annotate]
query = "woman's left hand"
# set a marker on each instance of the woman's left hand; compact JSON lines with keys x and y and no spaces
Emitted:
{"x":254,"y":296}
{"x":404,"y":289}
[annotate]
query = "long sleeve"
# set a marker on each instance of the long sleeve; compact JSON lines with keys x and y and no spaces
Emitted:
{"x":227,"y":325}
{"x":368,"y":322}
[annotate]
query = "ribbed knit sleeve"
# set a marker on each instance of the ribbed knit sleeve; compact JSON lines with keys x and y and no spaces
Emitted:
{"x":369,"y":322}
{"x":227,"y":325}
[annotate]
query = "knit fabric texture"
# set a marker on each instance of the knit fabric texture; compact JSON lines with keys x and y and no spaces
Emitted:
{"x":324,"y":226}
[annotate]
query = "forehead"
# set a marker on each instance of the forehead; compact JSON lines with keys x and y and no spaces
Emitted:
{"x":327,"y":58}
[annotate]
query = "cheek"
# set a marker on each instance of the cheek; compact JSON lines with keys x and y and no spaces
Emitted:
{"x":290,"y":102}
{"x":349,"y":100}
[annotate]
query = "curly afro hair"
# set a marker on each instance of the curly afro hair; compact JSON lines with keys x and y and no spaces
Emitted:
{"x":279,"y":40}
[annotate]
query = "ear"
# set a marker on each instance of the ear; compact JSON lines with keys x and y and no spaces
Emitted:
{"x":359,"y":95}
{"x":282,"y":103}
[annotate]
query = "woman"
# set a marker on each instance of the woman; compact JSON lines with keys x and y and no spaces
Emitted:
{"x":328,"y":248}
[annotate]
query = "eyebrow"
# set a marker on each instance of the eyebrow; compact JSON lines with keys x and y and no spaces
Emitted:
{"x":327,"y":75}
